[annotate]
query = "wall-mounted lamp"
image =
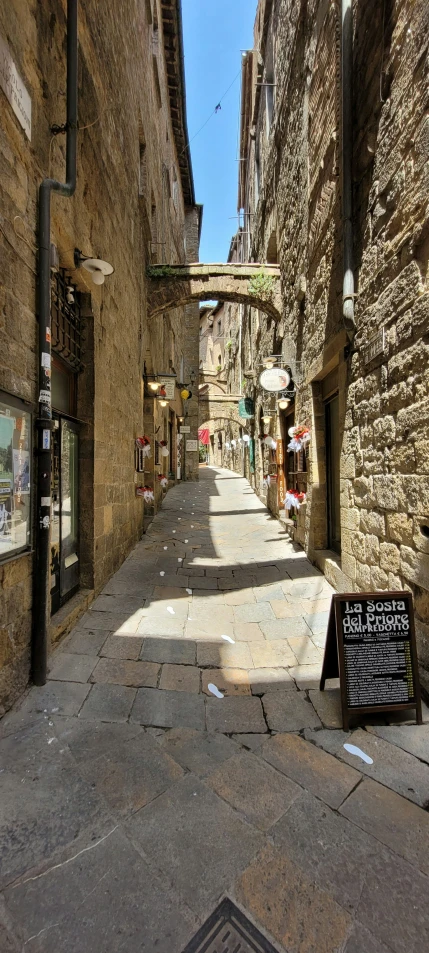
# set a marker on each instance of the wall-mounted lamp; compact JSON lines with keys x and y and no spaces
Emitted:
{"x":163,"y":402}
{"x":270,"y":361}
{"x":283,"y":403}
{"x":98,"y":269}
{"x":267,"y":418}
{"x":154,"y":385}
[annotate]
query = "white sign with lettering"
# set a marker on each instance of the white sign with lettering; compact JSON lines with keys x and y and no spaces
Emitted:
{"x":192,"y":444}
{"x":185,"y":430}
{"x":169,"y":385}
{"x":14,"y":89}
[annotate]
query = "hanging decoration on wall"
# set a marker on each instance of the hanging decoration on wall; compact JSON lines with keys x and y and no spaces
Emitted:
{"x":269,"y":441}
{"x":146,"y":492}
{"x":294,"y":498}
{"x":163,"y":480}
{"x":246,"y":438}
{"x":233,"y":444}
{"x":143,"y":443}
{"x":300,"y":437}
{"x":266,"y":481}
{"x":164,"y":448}
{"x":227,"y":445}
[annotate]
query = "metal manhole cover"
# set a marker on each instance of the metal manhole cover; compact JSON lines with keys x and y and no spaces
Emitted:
{"x":228,"y":931}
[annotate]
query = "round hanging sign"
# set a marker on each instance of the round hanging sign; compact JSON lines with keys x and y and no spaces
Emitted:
{"x":274,"y":379}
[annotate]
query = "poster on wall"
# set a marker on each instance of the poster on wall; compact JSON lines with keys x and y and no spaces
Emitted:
{"x":21,"y":471}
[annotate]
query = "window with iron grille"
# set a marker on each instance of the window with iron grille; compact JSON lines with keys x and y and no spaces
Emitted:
{"x":66,"y":325}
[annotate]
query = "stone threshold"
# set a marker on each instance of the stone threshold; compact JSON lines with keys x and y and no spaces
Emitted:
{"x":63,"y":621}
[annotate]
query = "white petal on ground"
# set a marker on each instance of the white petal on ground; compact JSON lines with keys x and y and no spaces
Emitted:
{"x":215,"y":691}
{"x":353,"y":749}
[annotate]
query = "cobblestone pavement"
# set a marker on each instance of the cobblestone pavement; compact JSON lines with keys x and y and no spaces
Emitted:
{"x":133,"y":799}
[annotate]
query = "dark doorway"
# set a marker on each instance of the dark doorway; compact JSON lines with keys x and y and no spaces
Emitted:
{"x":332,"y":430}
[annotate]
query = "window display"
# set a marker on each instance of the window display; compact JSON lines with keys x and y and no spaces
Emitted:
{"x":15,"y":476}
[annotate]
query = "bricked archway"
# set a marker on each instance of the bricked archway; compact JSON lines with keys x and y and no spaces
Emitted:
{"x":174,"y":286}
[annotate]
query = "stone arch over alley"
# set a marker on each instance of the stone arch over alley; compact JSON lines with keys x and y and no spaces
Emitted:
{"x":252,"y":284}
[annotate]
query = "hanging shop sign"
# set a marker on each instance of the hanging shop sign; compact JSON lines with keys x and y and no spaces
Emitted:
{"x":169,"y":385}
{"x":371,"y":645}
{"x":246,"y":408}
{"x":281,"y":489}
{"x":185,"y":430}
{"x":192,"y":445}
{"x":280,"y":453}
{"x":274,"y":379}
{"x":14,"y":89}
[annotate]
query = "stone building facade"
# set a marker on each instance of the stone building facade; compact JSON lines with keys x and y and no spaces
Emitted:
{"x":133,"y":206}
{"x":361,"y":386}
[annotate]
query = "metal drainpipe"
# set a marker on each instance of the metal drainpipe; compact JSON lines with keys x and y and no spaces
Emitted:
{"x":44,"y":422}
{"x":347,"y":157}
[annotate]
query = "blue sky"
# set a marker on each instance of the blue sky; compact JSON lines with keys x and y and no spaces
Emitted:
{"x":214,"y":32}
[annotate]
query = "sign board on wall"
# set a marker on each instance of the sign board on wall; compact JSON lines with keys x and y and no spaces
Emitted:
{"x":185,"y":430}
{"x":281,"y":489}
{"x":375,"y":346}
{"x":274,"y":379}
{"x":14,"y":89}
{"x":169,"y":385}
{"x":192,"y":445}
{"x":371,"y":645}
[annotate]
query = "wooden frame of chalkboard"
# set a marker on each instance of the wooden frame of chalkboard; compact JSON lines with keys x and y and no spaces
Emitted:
{"x":358,"y":648}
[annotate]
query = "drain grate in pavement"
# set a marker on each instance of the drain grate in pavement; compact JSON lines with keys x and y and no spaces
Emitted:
{"x":228,"y":931}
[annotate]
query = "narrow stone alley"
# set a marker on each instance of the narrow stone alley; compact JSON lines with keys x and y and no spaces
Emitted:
{"x":134,"y":799}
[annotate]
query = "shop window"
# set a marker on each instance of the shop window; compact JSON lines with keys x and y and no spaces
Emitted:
{"x":15,"y":476}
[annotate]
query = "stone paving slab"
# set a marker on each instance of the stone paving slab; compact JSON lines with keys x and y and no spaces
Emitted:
{"x":78,"y":906}
{"x":108,"y":703}
{"x":395,"y":904}
{"x":414,"y":739}
{"x":131,"y":774}
{"x":194,"y":815}
{"x":318,"y":772}
{"x":85,"y":641}
{"x":289,"y":711}
{"x":125,"y":672}
{"x":328,"y":707}
{"x":392,"y":819}
{"x":263,"y":680}
{"x":64,"y":697}
{"x":174,"y":651}
{"x":327,"y":848}
{"x":168,"y":709}
{"x":87,"y":740}
{"x":260,"y":612}
{"x":224,"y":655}
{"x":280,"y":897}
{"x":396,"y":769}
{"x":235,"y":715}
{"x":122,"y":647}
{"x":229,"y":681}
{"x":198,"y":751}
{"x":68,"y":667}
{"x":180,"y":678}
{"x":272,"y":654}
{"x":255,"y":790}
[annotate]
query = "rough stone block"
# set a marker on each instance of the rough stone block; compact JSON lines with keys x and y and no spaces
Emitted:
{"x":312,"y":768}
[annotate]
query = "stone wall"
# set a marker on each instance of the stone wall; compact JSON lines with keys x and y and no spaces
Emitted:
{"x":128,"y":209}
{"x":292,"y":189}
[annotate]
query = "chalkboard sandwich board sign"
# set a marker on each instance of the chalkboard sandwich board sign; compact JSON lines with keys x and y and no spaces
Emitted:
{"x":371,"y":645}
